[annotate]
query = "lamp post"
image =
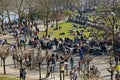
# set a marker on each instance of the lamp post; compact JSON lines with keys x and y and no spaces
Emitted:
{"x":113,"y":24}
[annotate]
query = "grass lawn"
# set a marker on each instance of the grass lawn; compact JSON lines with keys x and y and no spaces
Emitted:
{"x":65,"y":27}
{"x":4,"y":77}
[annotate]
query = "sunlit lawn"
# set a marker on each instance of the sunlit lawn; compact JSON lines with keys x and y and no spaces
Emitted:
{"x":66,"y":26}
{"x":4,"y":77}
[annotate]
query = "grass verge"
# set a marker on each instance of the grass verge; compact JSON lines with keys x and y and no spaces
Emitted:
{"x":5,"y":77}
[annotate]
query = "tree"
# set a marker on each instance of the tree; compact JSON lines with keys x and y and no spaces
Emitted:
{"x":14,"y":57}
{"x":40,"y":60}
{"x":47,"y":58}
{"x":4,"y":52}
{"x":19,"y":8}
{"x":111,"y":17}
{"x":57,"y":16}
{"x":19,"y":54}
{"x":30,"y":56}
{"x":8,"y":8}
{"x":87,"y":59}
{"x":46,"y":7}
{"x":112,"y":67}
{"x":30,"y":7}
{"x":2,"y":14}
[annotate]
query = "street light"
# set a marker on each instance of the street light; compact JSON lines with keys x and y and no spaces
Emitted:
{"x":112,"y":13}
{"x":113,"y":33}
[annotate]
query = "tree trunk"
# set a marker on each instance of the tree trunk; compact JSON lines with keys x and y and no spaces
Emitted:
{"x":1,"y":61}
{"x":84,"y":72}
{"x":56,"y":23}
{"x":39,"y":71}
{"x":47,"y":66}
{"x":66,"y":70}
{"x":9,"y":19}
{"x":111,"y":75}
{"x":46,"y":25}
{"x":19,"y":13}
{"x":21,"y":64}
{"x":4,"y":66}
{"x":14,"y":58}
{"x":88,"y":69}
{"x":2,"y":23}
{"x":14,"y":63}
{"x":30,"y":65}
{"x":19,"y":21}
{"x":47,"y":60}
{"x":28,"y":18}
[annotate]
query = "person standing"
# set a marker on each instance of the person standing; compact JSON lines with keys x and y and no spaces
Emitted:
{"x":71,"y":62}
{"x":52,"y":71}
{"x":23,"y":74}
{"x":56,"y":43}
{"x":62,"y":66}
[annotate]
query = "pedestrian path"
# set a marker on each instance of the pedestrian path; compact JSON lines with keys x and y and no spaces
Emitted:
{"x":31,"y":75}
{"x":34,"y":75}
{"x":99,"y":61}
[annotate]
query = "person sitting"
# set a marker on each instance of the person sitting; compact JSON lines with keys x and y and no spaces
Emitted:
{"x":62,"y":33}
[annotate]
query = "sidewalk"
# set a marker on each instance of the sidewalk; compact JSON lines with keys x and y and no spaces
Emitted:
{"x":31,"y":75}
{"x":34,"y":75}
{"x":98,"y":61}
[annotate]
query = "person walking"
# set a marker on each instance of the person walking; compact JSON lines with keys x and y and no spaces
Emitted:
{"x":71,"y":62}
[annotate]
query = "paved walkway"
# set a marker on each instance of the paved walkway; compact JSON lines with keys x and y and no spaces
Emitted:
{"x":34,"y":75}
{"x":99,"y":61}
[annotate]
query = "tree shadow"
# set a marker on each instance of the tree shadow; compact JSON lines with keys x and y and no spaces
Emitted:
{"x":44,"y":79}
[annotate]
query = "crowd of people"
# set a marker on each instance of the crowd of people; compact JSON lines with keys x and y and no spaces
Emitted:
{"x":83,"y":19}
{"x":79,"y":45}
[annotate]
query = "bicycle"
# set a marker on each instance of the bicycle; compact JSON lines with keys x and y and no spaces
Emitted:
{"x":94,"y":73}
